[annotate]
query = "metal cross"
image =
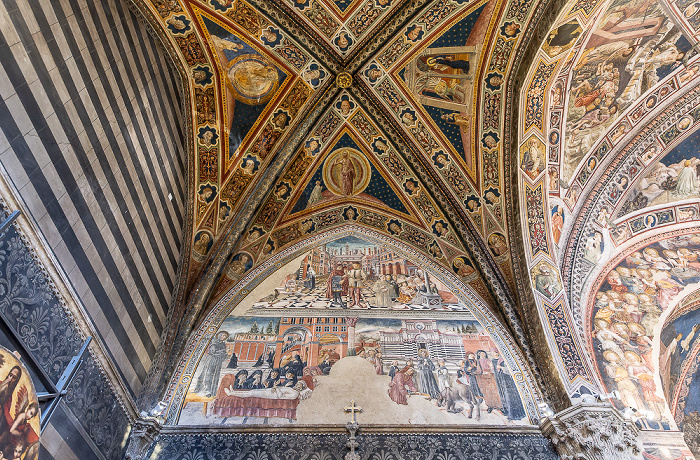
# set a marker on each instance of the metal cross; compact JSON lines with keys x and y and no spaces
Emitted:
{"x":353,"y":409}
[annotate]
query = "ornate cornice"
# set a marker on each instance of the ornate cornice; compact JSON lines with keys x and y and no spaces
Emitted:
{"x":142,"y":437}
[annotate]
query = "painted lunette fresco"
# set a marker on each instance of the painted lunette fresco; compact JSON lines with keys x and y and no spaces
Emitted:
{"x":630,"y":297}
{"x":199,"y":343}
{"x":353,"y":274}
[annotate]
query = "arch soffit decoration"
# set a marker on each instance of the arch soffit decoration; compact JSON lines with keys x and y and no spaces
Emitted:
{"x":648,"y":121}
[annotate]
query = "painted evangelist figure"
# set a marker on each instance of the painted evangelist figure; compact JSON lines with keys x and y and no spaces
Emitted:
{"x":19,"y":421}
{"x":633,"y":47}
{"x":353,"y":274}
{"x":252,"y":80}
{"x":626,"y":310}
{"x":294,"y":370}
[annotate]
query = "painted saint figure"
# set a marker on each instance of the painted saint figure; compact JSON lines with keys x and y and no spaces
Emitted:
{"x":311,"y":278}
{"x":443,"y":376}
{"x":383,"y":291}
{"x":356,"y":277}
{"x":427,"y":383}
{"x":401,"y":386}
{"x":316,"y":194}
{"x":532,"y":159}
{"x":393,"y":369}
{"x":510,"y":398}
{"x":686,"y":181}
{"x":557,"y":223}
{"x":347,"y":173}
{"x":208,"y":380}
{"x":487,"y":381}
{"x":7,"y":389}
{"x":337,"y":286}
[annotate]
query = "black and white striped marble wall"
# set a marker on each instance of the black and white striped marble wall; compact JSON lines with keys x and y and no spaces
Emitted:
{"x":91,"y":137}
{"x":91,"y":421}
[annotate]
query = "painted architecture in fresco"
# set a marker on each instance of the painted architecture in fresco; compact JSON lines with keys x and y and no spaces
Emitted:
{"x":19,"y":421}
{"x":279,"y":370}
{"x":453,"y":113}
{"x":352,"y":310}
{"x":353,"y":274}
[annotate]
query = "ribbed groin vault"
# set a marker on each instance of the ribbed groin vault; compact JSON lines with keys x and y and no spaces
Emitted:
{"x":477,"y":221}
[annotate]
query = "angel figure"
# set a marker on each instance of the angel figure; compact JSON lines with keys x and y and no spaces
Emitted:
{"x":21,"y":436}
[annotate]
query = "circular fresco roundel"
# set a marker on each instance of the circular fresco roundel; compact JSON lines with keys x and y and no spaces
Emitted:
{"x":254,"y":80}
{"x":346,"y":172}
{"x":19,"y":422}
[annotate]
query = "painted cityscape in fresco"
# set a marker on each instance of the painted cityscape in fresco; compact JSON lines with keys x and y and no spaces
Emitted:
{"x":628,"y":305}
{"x":303,"y":370}
{"x":353,"y":274}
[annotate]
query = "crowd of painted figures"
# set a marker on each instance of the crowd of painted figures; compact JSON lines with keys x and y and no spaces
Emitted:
{"x":18,"y":440}
{"x":627,"y":308}
{"x":481,"y":382}
{"x":348,"y":286}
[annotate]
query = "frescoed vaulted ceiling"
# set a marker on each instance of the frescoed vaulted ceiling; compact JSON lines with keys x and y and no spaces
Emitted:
{"x":540,"y":150}
{"x":268,"y":124}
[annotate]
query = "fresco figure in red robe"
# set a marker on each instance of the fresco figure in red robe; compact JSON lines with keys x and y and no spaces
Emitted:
{"x":402,"y":386}
{"x":347,"y":173}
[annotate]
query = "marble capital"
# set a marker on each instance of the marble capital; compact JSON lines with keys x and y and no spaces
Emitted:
{"x":593,"y":431}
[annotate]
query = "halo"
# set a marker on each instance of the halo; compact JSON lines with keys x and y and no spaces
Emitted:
{"x":331,"y":174}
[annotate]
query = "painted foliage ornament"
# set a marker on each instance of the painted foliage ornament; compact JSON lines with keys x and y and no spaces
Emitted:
{"x":19,"y":423}
{"x":344,"y":80}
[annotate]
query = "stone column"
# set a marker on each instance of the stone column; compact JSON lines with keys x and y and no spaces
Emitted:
{"x":351,"y":321}
{"x":593,"y":431}
{"x":143,"y":435}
